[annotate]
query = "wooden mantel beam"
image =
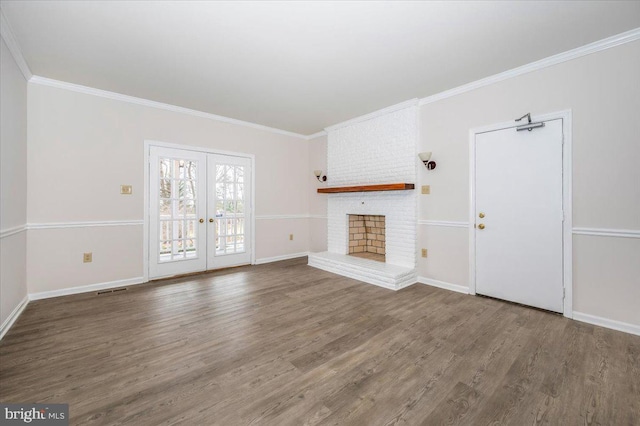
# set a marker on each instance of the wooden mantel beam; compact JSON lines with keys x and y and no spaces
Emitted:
{"x":367,"y":188}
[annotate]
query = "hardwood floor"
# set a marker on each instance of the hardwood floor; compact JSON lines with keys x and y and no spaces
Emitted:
{"x":287,"y":344}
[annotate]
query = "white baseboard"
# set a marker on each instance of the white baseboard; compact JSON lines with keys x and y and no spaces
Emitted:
{"x":406,"y":284}
{"x":86,"y":288}
{"x":13,"y":316}
{"x":607,"y":323}
{"x":278,"y":258}
{"x":441,"y":284}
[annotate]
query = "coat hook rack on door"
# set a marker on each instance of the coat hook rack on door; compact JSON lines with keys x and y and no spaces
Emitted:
{"x":529,"y":126}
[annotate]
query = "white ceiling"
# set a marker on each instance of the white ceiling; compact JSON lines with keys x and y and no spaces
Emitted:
{"x":298,"y":66}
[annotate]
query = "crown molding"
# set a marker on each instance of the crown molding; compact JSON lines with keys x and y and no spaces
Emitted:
{"x":158,"y":105}
{"x":588,"y":49}
{"x":374,"y":114}
{"x":7,"y":35}
{"x":607,"y":43}
{"x":316,"y":135}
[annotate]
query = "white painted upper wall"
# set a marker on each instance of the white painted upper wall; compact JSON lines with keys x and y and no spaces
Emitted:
{"x":602,"y":90}
{"x":317,"y":202}
{"x":13,"y":183}
{"x":13,"y":211}
{"x":83,"y":147}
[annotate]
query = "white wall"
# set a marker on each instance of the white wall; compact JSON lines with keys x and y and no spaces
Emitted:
{"x":317,"y":202}
{"x":603,"y":91}
{"x":81,"y":148}
{"x":13,"y":183}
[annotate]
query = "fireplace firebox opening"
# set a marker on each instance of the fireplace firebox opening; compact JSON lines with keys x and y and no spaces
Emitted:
{"x":367,"y":236}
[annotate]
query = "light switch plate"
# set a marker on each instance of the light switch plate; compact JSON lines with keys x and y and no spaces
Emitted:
{"x":126,"y":189}
{"x":424,"y":252}
{"x":291,"y":237}
{"x":426,"y":189}
{"x":87,"y":257}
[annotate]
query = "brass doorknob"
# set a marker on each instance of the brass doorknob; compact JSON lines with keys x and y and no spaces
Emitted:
{"x":201,"y":220}
{"x":481,"y":226}
{"x":211,"y":220}
{"x":481,"y":215}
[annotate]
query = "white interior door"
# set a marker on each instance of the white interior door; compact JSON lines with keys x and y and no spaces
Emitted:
{"x":177,"y":208}
{"x":230,"y":211}
{"x":518,"y":199}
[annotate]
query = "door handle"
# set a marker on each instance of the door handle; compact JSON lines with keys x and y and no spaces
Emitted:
{"x":201,"y":221}
{"x":481,"y":226}
{"x":211,"y":220}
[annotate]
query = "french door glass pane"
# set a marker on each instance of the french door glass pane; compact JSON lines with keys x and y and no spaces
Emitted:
{"x":177,"y":209}
{"x":229,"y":209}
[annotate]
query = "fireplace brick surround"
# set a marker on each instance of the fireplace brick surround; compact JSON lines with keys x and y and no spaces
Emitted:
{"x":377,"y":150}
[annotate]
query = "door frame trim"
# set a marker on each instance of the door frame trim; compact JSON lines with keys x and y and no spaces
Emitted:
{"x":567,"y":200}
{"x":148,"y":143}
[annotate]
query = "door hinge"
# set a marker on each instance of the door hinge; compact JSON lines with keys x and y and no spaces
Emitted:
{"x":563,"y":292}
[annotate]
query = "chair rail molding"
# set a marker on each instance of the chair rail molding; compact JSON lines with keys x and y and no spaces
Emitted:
{"x":444,"y":223}
{"x":608,"y":232}
{"x":13,"y":230}
{"x":84,"y":224}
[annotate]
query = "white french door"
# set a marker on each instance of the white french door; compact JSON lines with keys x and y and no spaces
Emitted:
{"x":519,"y":215}
{"x":229,"y":211}
{"x":199,"y":211}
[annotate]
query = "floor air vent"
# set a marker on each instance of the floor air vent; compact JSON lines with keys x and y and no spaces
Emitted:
{"x":115,"y":290}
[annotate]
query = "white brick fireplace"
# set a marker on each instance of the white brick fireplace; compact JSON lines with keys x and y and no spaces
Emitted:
{"x":379,"y":150}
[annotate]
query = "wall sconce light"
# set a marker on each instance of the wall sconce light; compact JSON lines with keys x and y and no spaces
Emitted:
{"x":425,"y":157}
{"x":320,"y":176}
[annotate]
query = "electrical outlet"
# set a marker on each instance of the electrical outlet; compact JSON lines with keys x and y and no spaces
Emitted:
{"x":126,"y":189}
{"x":424,"y":252}
{"x":290,"y":237}
{"x":426,"y":189}
{"x":87,"y":257}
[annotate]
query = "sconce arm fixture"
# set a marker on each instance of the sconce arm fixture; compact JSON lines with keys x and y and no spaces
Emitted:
{"x":320,"y":176}
{"x":425,"y":157}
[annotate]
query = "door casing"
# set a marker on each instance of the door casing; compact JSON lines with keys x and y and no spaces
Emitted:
{"x":147,"y":151}
{"x":567,"y":241}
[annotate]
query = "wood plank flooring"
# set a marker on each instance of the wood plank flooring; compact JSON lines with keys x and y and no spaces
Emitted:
{"x":287,"y":344}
